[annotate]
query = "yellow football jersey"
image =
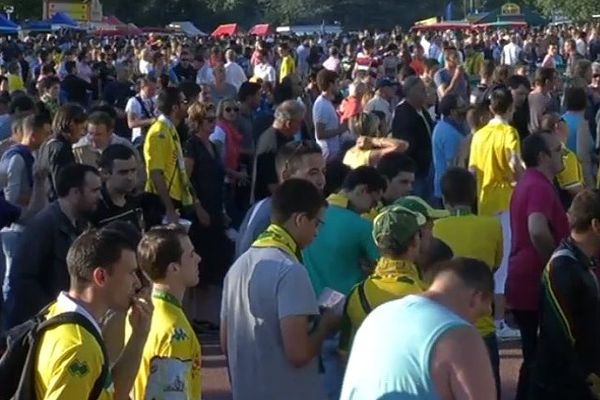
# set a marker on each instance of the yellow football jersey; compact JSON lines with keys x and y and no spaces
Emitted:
{"x":171,"y":361}
{"x":478,"y":237}
{"x":491,"y":149}
{"x":393,"y":279}
{"x":69,"y":360}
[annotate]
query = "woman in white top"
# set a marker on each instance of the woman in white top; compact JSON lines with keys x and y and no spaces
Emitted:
{"x":263,"y":70}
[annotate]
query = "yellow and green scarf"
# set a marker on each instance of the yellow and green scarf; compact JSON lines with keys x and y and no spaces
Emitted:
{"x":388,"y":267}
{"x":277,"y":237}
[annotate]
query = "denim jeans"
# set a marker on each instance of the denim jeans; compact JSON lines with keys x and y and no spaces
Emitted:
{"x":528,"y":322}
{"x":333,"y":367}
{"x":423,"y":186}
{"x":10,"y":241}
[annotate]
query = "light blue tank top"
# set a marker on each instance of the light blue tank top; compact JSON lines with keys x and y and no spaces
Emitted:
{"x":391,"y":352}
{"x":573,"y":121}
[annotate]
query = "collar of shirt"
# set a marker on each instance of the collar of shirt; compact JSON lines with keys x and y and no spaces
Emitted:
{"x":498,"y":120}
{"x":338,"y":199}
{"x":163,"y":118}
{"x":67,"y":304}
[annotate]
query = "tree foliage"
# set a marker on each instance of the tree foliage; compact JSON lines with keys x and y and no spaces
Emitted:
{"x":353,"y":14}
{"x":577,"y":10}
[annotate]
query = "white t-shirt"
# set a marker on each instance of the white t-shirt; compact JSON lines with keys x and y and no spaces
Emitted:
{"x":324,"y":113}
{"x":265,"y":72}
{"x":145,"y":67}
{"x":234,"y":75}
{"x":332,"y":64}
{"x":510,"y":54}
{"x":133,"y":107}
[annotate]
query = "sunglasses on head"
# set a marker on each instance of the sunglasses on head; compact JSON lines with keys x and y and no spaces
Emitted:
{"x":230,"y":109}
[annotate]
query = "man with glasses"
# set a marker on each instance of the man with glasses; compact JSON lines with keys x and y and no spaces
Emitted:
{"x":538,"y":224}
{"x":271,"y":332}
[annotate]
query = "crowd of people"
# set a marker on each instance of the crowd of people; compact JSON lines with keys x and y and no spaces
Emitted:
{"x":378,"y":210}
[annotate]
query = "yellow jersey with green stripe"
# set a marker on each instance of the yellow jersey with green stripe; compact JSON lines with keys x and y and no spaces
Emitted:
{"x":163,"y":152}
{"x":171,"y":360}
{"x":572,"y":175}
{"x":392,"y":279}
{"x":69,"y":359}
{"x":474,"y":236}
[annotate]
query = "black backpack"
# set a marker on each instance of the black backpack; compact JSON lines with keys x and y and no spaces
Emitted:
{"x":18,"y":348}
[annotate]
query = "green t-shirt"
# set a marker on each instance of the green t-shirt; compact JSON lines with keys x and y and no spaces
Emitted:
{"x":334,"y":258}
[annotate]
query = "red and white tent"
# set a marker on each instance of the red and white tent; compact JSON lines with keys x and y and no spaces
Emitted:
{"x":226,"y":30}
{"x":260,"y":30}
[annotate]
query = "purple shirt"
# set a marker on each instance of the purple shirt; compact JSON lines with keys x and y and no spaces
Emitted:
{"x":534,"y":193}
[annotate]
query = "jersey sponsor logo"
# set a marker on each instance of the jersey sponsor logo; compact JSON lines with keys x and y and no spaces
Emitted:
{"x":168,"y":378}
{"x":78,"y":368}
{"x":179,"y":335}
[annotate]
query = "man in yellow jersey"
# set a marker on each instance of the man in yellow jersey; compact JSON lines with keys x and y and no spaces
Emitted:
{"x":396,"y":232}
{"x":495,"y":161}
{"x":171,"y":359}
{"x":570,"y":180}
{"x":288,"y":65}
{"x":473,"y":236}
{"x":70,"y":361}
{"x":495,"y":156}
{"x":165,"y":165}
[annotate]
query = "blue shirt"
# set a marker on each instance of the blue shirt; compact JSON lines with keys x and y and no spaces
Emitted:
{"x":445,"y":146}
{"x":334,"y":258}
{"x":391,"y":352}
{"x":255,"y":222}
{"x":574,"y":121}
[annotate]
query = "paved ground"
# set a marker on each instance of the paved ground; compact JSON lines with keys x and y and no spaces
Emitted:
{"x":215,"y":383}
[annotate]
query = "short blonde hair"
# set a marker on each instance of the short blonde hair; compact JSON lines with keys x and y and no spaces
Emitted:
{"x":198,"y":111}
{"x":365,"y":124}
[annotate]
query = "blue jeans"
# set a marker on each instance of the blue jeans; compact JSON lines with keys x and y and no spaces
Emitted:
{"x":334,"y":367}
{"x":10,"y":242}
{"x":423,"y":186}
{"x":491,"y":342}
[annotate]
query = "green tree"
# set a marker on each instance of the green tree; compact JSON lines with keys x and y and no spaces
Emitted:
{"x":577,"y":10}
{"x":23,"y":9}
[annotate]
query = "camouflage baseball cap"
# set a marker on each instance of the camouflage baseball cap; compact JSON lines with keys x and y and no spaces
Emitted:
{"x":397,"y":224}
{"x":417,"y":204}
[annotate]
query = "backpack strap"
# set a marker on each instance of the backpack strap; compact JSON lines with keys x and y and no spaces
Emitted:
{"x":28,"y":377}
{"x":364,"y":302}
{"x":143,"y":106}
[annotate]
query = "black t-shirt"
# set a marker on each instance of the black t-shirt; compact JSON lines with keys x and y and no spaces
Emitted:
{"x":265,"y":168}
{"x":185,"y":73}
{"x":108,"y":212}
{"x":75,"y":89}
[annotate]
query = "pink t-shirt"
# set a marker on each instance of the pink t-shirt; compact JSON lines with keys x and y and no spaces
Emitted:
{"x":534,"y":193}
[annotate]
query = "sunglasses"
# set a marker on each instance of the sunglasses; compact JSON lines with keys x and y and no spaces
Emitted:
{"x":230,"y":109}
{"x":210,"y":119}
